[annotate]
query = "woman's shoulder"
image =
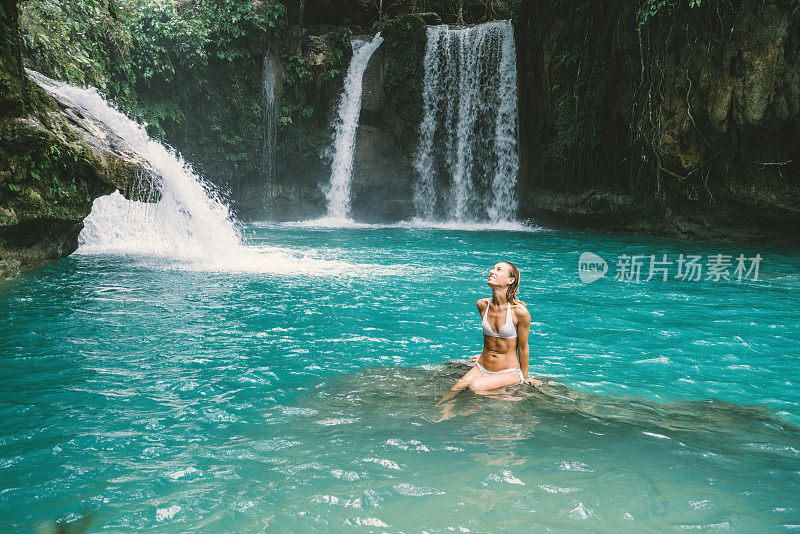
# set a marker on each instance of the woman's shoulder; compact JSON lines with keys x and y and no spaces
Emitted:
{"x":521,"y":308}
{"x":483,"y":302}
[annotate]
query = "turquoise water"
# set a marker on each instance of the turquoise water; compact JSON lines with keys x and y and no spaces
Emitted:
{"x":153,"y":394}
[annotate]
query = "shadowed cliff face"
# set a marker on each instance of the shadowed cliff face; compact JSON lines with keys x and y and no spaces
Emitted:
{"x":687,"y":125}
{"x":54,"y":162}
{"x":12,"y":83}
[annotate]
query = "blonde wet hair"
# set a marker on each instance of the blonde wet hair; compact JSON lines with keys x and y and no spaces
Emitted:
{"x":512,"y":294}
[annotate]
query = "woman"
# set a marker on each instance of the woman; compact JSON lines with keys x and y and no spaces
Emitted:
{"x":506,"y":323}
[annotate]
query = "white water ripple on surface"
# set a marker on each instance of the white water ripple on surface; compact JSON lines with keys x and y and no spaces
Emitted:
{"x":414,"y":223}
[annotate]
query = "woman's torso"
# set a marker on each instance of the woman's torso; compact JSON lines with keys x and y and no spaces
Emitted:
{"x":498,"y":353}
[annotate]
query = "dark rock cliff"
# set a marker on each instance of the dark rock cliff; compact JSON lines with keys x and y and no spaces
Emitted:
{"x":687,"y":125}
{"x":312,"y":68}
{"x":391,"y":110}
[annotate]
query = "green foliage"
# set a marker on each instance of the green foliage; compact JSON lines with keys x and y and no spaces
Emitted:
{"x":381,"y":24}
{"x":168,"y":56}
{"x":299,"y":81}
{"x":86,"y":43}
{"x":580,"y":80}
{"x":190,"y":71}
{"x":14,"y":96}
{"x":47,"y":180}
{"x":49,"y":171}
{"x":165,"y":43}
{"x":232,"y":24}
{"x":341,"y":50}
{"x":651,"y":8}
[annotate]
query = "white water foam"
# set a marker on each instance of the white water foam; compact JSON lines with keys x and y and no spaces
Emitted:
{"x":284,"y":261}
{"x":241,"y":259}
{"x":344,"y":140}
{"x":415,"y":223}
{"x":501,"y":225}
{"x":330,"y":222}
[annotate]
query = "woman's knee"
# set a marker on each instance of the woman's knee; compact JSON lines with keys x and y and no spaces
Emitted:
{"x":475,"y":386}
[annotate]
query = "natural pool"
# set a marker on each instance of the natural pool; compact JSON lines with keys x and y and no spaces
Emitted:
{"x":294,"y":390}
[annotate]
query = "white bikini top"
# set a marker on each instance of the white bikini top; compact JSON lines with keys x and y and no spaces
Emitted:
{"x":507,"y":331}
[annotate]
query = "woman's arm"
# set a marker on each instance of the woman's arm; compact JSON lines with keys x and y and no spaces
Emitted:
{"x":481,"y":306}
{"x":523,"y":329}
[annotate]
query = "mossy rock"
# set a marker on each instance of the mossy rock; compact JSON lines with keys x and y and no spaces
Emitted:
{"x":404,"y":41}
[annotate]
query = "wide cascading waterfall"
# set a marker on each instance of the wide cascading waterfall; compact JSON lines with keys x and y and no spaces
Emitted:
{"x":269,"y":131}
{"x":188,"y":221}
{"x":467,"y":160}
{"x":344,"y":139}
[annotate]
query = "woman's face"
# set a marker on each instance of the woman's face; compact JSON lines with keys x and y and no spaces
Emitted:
{"x":500,"y":275}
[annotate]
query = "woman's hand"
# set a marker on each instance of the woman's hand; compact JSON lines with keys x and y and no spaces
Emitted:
{"x":474,"y":359}
{"x":533,"y":382}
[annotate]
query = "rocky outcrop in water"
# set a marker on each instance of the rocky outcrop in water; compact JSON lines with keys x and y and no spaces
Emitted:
{"x":54,"y":162}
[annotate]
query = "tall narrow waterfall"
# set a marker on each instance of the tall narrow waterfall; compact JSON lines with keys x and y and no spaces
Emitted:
{"x":270,"y":116}
{"x":189,"y":220}
{"x":344,"y":139}
{"x":467,"y":159}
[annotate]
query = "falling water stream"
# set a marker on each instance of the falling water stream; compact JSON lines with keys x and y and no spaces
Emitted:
{"x":467,"y":157}
{"x":190,"y":226}
{"x":344,"y":140}
{"x":269,"y":132}
{"x":189,"y":220}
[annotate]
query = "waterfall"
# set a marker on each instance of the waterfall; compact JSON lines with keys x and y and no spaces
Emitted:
{"x":468,"y":134}
{"x":344,"y":139}
{"x":269,"y":131}
{"x":188,"y":221}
